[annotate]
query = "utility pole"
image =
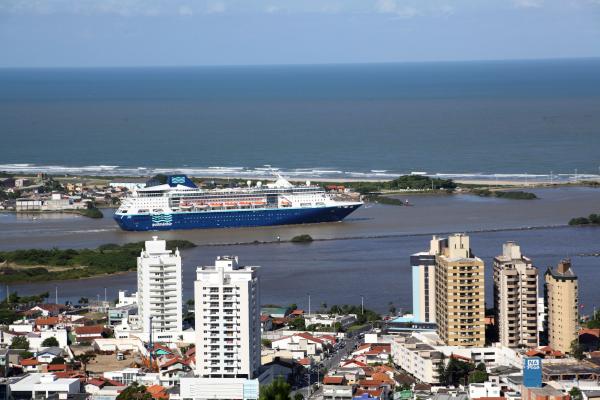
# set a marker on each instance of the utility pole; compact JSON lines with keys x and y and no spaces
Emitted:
{"x":56,"y":294}
{"x":308,"y":304}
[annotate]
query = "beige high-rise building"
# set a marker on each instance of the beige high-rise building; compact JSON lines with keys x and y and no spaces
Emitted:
{"x":562,"y":301}
{"x":515,"y":298}
{"x":459,"y":292}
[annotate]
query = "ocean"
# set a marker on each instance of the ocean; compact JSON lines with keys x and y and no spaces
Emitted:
{"x":380,"y":120}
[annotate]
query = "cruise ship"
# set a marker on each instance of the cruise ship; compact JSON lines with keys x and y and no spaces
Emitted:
{"x":180,"y":204}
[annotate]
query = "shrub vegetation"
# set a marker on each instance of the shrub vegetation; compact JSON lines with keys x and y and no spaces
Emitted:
{"x":106,"y":259}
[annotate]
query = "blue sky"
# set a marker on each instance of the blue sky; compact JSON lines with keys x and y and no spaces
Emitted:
{"x":73,"y":33}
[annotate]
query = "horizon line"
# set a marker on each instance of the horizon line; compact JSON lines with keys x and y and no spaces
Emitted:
{"x":157,"y":66}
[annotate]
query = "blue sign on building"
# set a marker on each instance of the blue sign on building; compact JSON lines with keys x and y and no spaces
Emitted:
{"x":532,"y":372}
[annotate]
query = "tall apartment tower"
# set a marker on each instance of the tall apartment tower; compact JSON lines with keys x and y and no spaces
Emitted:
{"x":160,"y":291}
{"x":561,"y":294}
{"x":515,"y":298}
{"x":227,"y":301}
{"x":423,"y":282}
{"x":459,"y":293}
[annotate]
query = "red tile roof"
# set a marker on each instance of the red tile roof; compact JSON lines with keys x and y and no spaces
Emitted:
{"x":96,"y":382}
{"x":333,"y":380}
{"x":57,"y":367}
{"x":157,"y":392}
{"x":308,"y":336}
{"x":47,"y":321}
{"x":29,"y":362}
{"x":353,"y":361}
{"x":50,"y":307}
{"x":159,"y":346}
{"x":371,"y":383}
{"x":305,"y":361}
{"x":172,"y":361}
{"x":89,"y":330}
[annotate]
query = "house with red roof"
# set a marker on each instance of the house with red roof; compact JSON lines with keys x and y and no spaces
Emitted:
{"x":266,"y":323}
{"x":171,"y":368}
{"x":373,"y":353}
{"x":87,"y":334}
{"x":545,"y":352}
{"x":353,"y":363}
{"x":103,"y":387}
{"x":30,"y":364}
{"x":336,"y":387}
{"x":46,"y":310}
{"x":158,"y":392}
{"x":302,"y":345}
{"x":43,"y":323}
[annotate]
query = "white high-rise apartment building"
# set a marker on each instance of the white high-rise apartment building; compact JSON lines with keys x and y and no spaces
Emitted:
{"x":227,"y":300}
{"x":160,"y":292}
{"x":516,"y":298}
{"x":227,"y":303}
{"x":423,"y":282}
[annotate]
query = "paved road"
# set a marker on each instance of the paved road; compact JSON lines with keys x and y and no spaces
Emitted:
{"x":331,"y":362}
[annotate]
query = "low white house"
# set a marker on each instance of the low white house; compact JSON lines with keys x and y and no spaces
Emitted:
{"x":330,"y":320}
{"x":300,"y":345}
{"x":219,"y":388}
{"x":45,"y":356}
{"x":129,"y":375}
{"x":485,"y":389}
{"x":44,"y":385}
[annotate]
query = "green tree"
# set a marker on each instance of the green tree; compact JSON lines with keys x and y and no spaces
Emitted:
{"x":297,"y":324}
{"x":58,"y":360}
{"x":298,"y":396}
{"x":478,"y":376}
{"x":391,"y":308}
{"x":456,"y":372}
{"x":134,"y":391}
{"x":576,"y":393}
{"x":7,"y":316}
{"x":577,"y":350}
{"x":50,"y":342}
{"x":83,"y":301}
{"x":266,"y":342}
{"x":26,"y":354}
{"x":20,"y":342}
{"x":85,"y":359}
{"x":277,"y":390}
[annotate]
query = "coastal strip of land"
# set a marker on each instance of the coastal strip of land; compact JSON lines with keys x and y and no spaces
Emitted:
{"x":39,"y":265}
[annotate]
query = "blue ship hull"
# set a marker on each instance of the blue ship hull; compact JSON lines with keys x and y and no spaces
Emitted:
{"x":233,"y":219}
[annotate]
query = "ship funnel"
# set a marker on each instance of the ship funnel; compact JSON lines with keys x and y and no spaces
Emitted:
{"x":249,"y":183}
{"x":307,"y":183}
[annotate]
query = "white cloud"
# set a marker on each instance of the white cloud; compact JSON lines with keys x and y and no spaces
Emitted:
{"x":528,"y":3}
{"x":185,"y":10}
{"x":216,"y":7}
{"x":396,"y":8}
